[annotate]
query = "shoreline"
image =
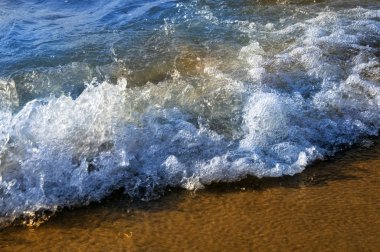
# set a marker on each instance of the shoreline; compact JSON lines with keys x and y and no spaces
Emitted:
{"x":310,"y":206}
{"x":314,"y":175}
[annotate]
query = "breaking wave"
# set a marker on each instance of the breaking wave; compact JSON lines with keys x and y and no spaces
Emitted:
{"x":296,"y":92}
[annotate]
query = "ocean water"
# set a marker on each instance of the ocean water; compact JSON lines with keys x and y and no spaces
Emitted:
{"x":98,"y":96}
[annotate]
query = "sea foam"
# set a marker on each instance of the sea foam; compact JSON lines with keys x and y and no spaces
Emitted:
{"x":316,"y":94}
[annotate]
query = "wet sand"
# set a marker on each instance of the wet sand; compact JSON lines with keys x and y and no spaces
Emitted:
{"x":333,"y":206}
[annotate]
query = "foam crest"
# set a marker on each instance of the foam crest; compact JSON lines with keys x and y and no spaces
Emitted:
{"x":297,"y":92}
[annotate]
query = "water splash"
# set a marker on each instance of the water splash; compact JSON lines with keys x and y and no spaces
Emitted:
{"x":292,"y":91}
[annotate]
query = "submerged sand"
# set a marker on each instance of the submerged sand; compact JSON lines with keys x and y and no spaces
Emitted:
{"x":332,"y":206}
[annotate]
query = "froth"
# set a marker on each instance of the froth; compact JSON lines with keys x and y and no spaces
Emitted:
{"x":293,"y":103}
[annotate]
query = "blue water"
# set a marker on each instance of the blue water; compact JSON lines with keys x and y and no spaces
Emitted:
{"x":142,"y":95}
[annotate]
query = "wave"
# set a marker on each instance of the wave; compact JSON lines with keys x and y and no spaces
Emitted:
{"x":301,"y":92}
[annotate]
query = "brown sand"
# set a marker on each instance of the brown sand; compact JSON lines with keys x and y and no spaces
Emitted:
{"x":332,"y":206}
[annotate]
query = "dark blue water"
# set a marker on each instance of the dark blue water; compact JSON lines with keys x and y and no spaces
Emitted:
{"x":141,"y":95}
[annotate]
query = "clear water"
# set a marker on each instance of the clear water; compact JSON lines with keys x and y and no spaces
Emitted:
{"x":141,"y":95}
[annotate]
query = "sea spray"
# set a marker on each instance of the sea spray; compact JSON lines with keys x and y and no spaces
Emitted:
{"x":266,"y":102}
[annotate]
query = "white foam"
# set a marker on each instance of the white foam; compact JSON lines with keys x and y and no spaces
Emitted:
{"x":300,"y":103}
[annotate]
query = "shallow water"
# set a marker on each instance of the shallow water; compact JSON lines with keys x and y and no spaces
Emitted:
{"x":331,"y":206}
{"x":140,"y":96}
